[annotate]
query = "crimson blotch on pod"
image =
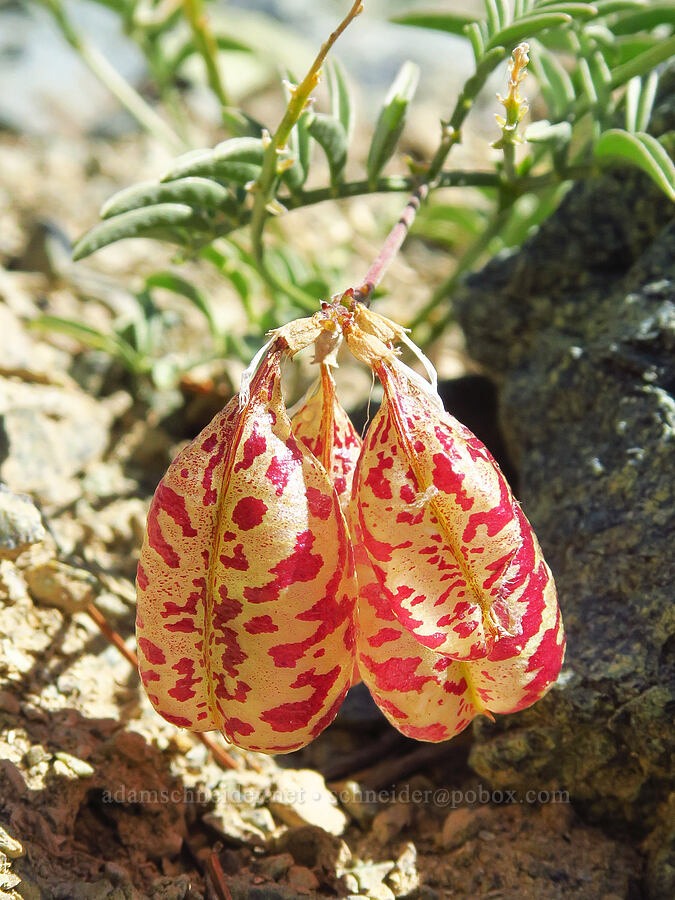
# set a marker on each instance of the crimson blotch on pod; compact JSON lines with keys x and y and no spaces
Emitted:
{"x":324,"y":427}
{"x":428,"y":695}
{"x":448,"y":542}
{"x":246,"y":585}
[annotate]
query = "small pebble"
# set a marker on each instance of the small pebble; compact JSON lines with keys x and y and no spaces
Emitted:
{"x":302,"y":879}
{"x":381,"y":892}
{"x":9,"y":703}
{"x":391,"y":821}
{"x":404,"y":878}
{"x":300,"y":797}
{"x":9,"y":845}
{"x":277,"y":865}
{"x":81,"y":768}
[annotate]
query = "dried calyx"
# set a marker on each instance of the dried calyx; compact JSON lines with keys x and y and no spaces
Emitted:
{"x":286,"y":559}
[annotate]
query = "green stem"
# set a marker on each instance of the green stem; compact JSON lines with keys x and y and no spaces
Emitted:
{"x":393,"y":184}
{"x":264,"y":187}
{"x":452,"y":133}
{"x":468,"y":260}
{"x":659,"y":53}
{"x":130,"y":99}
{"x":164,"y":77}
{"x":303,"y":300}
{"x":509,"y":161}
{"x":207,"y":47}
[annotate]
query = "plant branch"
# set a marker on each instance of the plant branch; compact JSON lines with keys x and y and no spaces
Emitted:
{"x":264,"y":187}
{"x":391,"y":246}
{"x":451,"y":134}
{"x":208,"y":50}
{"x":469,"y":258}
{"x":130,"y":99}
{"x":392,"y":184}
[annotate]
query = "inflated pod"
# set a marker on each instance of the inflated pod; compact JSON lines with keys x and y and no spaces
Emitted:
{"x":246,"y":586}
{"x":430,"y":696}
{"x":454,"y":554}
{"x":326,"y":430}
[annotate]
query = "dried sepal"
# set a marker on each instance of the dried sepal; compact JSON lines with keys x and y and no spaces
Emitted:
{"x":246,"y":584}
{"x":300,"y":333}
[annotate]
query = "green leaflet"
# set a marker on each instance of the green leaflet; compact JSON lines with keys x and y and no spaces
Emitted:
{"x":163,"y":221}
{"x":223,"y":42}
{"x":603,"y":7}
{"x":641,"y":150}
{"x":643,"y":62}
{"x":196,"y":192}
{"x":111,"y":344}
{"x":475,"y":35}
{"x":391,"y":119}
{"x":498,"y":15}
{"x":177,"y":285}
{"x":587,"y":82}
{"x":526,"y":28}
{"x":576,"y":10}
{"x":625,"y":49}
{"x":555,"y":83}
{"x":640,"y":96}
{"x":299,"y":145}
{"x":231,"y":264}
{"x":238,"y":160}
{"x":341,"y":97}
{"x":449,"y":225}
{"x":437,"y":21}
{"x":607,"y":7}
{"x":330,"y":134}
{"x":543,"y":132}
{"x":645,"y":19}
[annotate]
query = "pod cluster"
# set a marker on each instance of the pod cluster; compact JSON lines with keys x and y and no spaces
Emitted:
{"x":286,"y":559}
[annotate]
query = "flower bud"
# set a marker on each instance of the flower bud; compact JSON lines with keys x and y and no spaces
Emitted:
{"x":246,"y":585}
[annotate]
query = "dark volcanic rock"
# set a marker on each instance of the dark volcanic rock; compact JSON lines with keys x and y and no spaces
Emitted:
{"x":578,"y":330}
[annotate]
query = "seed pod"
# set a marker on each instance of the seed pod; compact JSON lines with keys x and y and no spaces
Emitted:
{"x":246,"y":584}
{"x":431,"y":697}
{"x":323,"y":426}
{"x":447,"y":540}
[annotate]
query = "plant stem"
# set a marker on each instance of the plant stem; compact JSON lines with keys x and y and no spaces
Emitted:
{"x":130,"y":99}
{"x":392,"y":184}
{"x":264,"y":187}
{"x":452,"y":128}
{"x":469,"y":258}
{"x":207,"y":47}
{"x":391,"y":246}
{"x":451,"y":135}
{"x":304,"y":300}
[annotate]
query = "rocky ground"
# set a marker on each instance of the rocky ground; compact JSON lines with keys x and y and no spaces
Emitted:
{"x":100,"y":798}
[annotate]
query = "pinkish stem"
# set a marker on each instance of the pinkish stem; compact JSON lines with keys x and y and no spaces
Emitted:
{"x":391,"y":245}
